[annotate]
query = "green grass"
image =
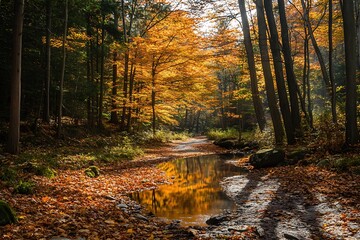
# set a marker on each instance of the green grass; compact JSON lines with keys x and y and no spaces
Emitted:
{"x":216,"y":134}
{"x":162,"y":136}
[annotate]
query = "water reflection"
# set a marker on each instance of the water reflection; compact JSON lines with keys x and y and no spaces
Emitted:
{"x":195,"y":194}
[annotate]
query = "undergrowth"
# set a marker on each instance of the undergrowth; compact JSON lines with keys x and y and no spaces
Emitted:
{"x":161,"y":136}
{"x":230,"y":133}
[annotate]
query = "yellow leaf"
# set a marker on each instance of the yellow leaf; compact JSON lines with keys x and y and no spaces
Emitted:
{"x":130,"y":231}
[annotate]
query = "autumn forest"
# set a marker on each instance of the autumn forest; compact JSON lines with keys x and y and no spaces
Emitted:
{"x":95,"y":93}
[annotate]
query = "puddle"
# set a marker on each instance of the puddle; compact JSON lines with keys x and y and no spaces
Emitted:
{"x":195,"y":194}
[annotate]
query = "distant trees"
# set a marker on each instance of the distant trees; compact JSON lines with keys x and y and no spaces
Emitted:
{"x":144,"y":65}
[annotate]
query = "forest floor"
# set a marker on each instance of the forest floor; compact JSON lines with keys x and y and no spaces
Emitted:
{"x":290,"y":202}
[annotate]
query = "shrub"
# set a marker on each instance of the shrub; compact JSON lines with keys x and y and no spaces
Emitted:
{"x":9,"y":175}
{"x":24,"y":187}
{"x":92,"y":172}
{"x":162,"y":136}
{"x":40,"y":170}
{"x":217,"y":134}
{"x":7,"y":214}
{"x":45,"y":171}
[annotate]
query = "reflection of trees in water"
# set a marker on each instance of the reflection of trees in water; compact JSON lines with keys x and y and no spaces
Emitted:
{"x":196,"y":189}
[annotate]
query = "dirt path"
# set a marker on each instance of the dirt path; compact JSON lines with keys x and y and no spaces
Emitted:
{"x":278,"y":203}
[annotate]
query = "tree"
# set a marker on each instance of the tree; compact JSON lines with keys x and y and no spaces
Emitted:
{"x":269,"y":84}
{"x":330,"y":89}
{"x":259,"y":111}
{"x":291,"y":79}
{"x":331,"y":65}
{"x":277,"y":61}
{"x":15,"y":104}
{"x":46,"y":111}
{"x":61,"y":84}
{"x":352,"y":133}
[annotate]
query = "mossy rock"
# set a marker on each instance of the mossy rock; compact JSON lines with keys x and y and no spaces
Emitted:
{"x":324,"y":163}
{"x":92,"y":172}
{"x":24,"y":187}
{"x":46,"y":172}
{"x":7,"y":214}
{"x":267,"y":158}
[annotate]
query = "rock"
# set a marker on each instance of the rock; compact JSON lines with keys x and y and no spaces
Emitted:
{"x":7,"y":214}
{"x":290,"y":237}
{"x":231,"y":143}
{"x":141,"y":217}
{"x":324,"y":163}
{"x":296,"y":155}
{"x":122,"y":206}
{"x":217,"y":220}
{"x":193,"y":232}
{"x":110,"y":198}
{"x":267,"y":158}
{"x":240,"y":228}
{"x":227,"y":143}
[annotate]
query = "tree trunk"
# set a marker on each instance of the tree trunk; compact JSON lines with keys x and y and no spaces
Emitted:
{"x":102,"y":57}
{"x":291,"y":79}
{"x":357,"y":9}
{"x":114,"y":116}
{"x":258,"y":107}
{"x":126,"y":66}
{"x":13,"y":145}
{"x":46,"y":113}
{"x":352,"y":133}
{"x":131,"y":90}
{"x":153,"y":97}
{"x":277,"y":61}
{"x":61,"y":89}
{"x":331,"y":71}
{"x":90,"y":74}
{"x":269,"y":84}
{"x":319,"y":56}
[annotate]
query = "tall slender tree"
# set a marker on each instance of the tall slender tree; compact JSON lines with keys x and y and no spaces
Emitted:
{"x":269,"y":83}
{"x":291,"y":78}
{"x":13,"y":145}
{"x":331,"y":70}
{"x":46,"y":111}
{"x":61,"y":88}
{"x":279,"y":74}
{"x":352,"y":132}
{"x":259,"y":111}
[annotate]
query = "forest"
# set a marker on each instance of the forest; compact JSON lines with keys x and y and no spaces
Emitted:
{"x":95,"y":92}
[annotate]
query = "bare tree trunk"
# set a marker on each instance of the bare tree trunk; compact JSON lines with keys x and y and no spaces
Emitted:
{"x":269,"y":84}
{"x":126,"y":66}
{"x":258,"y":107}
{"x":357,"y":9}
{"x":102,"y":57}
{"x":61,"y":89}
{"x":131,"y":90}
{"x":283,"y":98}
{"x":114,"y":116}
{"x":90,"y":74}
{"x":352,"y":133}
{"x":13,"y":145}
{"x":331,"y":71}
{"x":291,"y":79}
{"x":324,"y":71}
{"x":153,"y":97}
{"x":46,"y":113}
